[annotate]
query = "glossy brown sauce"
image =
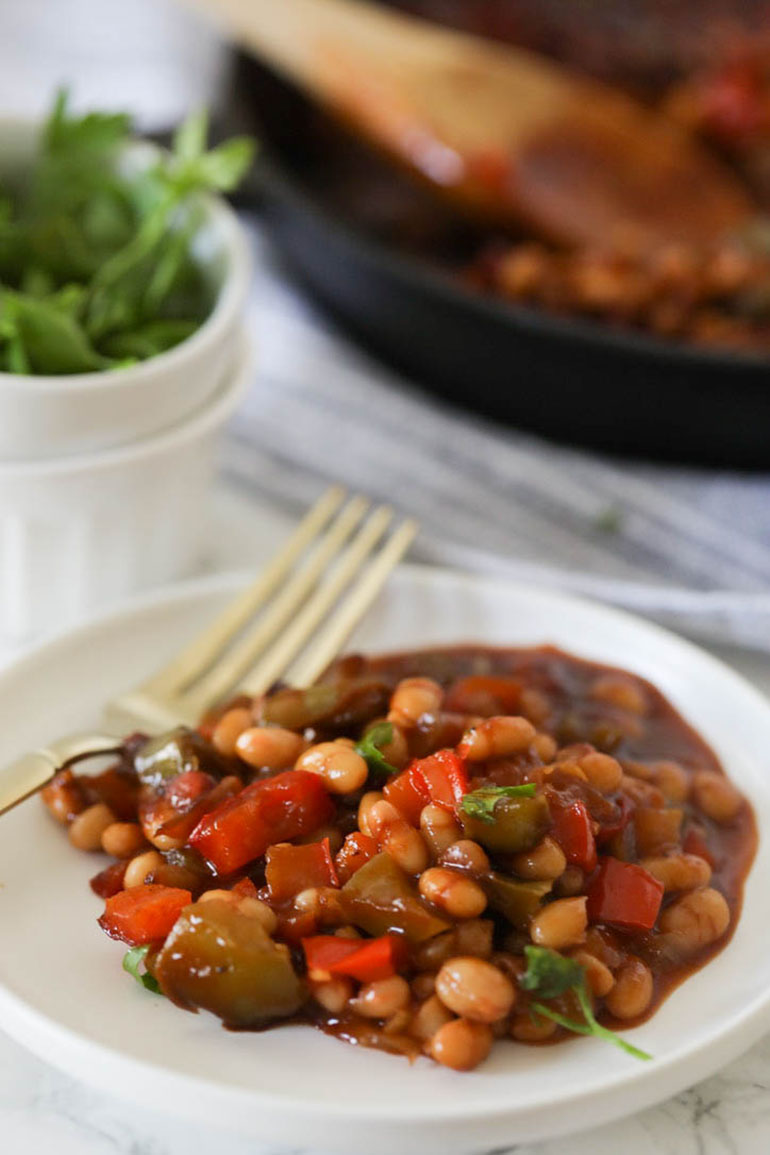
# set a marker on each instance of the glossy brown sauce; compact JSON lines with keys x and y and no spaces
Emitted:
{"x":652,"y":806}
{"x":575,"y":714}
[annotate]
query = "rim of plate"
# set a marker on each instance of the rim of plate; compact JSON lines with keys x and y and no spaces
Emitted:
{"x":705,"y":1057}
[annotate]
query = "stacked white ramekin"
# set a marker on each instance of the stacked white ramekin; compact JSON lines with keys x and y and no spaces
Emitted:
{"x":104,"y":476}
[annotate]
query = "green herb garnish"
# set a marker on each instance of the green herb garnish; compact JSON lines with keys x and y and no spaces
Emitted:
{"x":370,"y":748}
{"x":550,"y":974}
{"x":132,"y":960}
{"x":97,"y":268}
{"x":481,"y":803}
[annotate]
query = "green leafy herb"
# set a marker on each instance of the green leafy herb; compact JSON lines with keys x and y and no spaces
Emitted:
{"x":132,"y":960}
{"x":97,"y":268}
{"x":370,"y":748}
{"x":481,"y":803}
{"x":550,"y":974}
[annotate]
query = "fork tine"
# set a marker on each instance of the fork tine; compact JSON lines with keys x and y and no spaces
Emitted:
{"x":226,"y":674}
{"x":291,"y":641}
{"x":331,"y":639}
{"x":196,"y":658}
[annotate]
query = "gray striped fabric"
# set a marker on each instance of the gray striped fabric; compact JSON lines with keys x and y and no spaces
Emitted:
{"x":691,"y":548}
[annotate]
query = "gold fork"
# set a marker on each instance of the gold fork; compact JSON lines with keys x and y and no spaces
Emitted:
{"x":289,"y":624}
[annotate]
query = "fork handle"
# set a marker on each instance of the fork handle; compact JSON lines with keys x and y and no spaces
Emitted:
{"x":32,"y":771}
{"x":25,"y":777}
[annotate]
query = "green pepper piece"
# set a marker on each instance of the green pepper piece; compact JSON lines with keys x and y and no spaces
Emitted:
{"x":332,"y":705}
{"x":516,"y":901}
{"x":220,"y":960}
{"x":380,"y":897}
{"x":518,"y":824}
{"x":163,"y":758}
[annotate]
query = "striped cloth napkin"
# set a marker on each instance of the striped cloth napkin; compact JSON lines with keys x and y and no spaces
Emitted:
{"x":687,"y":547}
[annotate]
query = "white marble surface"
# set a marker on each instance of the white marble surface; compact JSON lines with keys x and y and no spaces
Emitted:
{"x":42,"y":1109}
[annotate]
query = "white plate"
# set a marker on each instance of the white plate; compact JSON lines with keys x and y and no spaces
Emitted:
{"x":63,"y":994}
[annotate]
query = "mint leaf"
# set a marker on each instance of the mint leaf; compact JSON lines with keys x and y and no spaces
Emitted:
{"x":481,"y":803}
{"x":132,"y":960}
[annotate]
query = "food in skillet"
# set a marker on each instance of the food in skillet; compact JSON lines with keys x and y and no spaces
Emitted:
{"x":707,"y":68}
{"x":422,"y":853}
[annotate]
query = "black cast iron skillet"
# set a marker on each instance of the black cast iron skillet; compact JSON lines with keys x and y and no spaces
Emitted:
{"x":382,"y":259}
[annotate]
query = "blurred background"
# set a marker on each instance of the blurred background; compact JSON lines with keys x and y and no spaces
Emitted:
{"x":590,"y":417}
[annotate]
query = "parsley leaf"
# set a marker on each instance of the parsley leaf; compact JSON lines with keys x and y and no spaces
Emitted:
{"x":481,"y":803}
{"x":132,"y":960}
{"x":550,"y":974}
{"x":369,"y":748}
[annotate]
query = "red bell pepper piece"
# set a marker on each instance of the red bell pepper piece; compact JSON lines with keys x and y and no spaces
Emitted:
{"x":625,"y":895}
{"x":409,"y":794}
{"x":143,"y":914}
{"x":291,"y":869}
{"x":484,"y":694}
{"x":573,"y":831}
{"x":294,"y":927}
{"x":367,"y":961}
{"x":188,"y":787}
{"x":177,"y":814}
{"x":357,"y":850}
{"x":445,"y":776}
{"x":271,"y":810}
{"x":110,"y":880}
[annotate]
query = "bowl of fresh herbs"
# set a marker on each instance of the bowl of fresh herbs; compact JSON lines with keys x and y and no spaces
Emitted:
{"x":123,"y":277}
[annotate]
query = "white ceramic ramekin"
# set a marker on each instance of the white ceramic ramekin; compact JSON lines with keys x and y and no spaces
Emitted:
{"x":44,"y":417}
{"x":77,"y":533}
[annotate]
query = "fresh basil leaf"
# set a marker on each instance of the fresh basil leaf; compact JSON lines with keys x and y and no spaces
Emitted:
{"x":15,"y":358}
{"x":97,"y":268}
{"x":190,"y":138}
{"x":148,"y":340}
{"x":169,"y":262}
{"x":132,"y":960}
{"x":68,"y":299}
{"x":95,"y":131}
{"x":481,"y":803}
{"x":37,"y":282}
{"x":225,"y":166}
{"x":370,"y":748}
{"x":55,"y":342}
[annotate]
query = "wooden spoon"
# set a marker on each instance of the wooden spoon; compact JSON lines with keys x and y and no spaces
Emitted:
{"x":509,"y":136}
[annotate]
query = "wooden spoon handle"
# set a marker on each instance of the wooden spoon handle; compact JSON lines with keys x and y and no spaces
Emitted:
{"x":512,"y":138}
